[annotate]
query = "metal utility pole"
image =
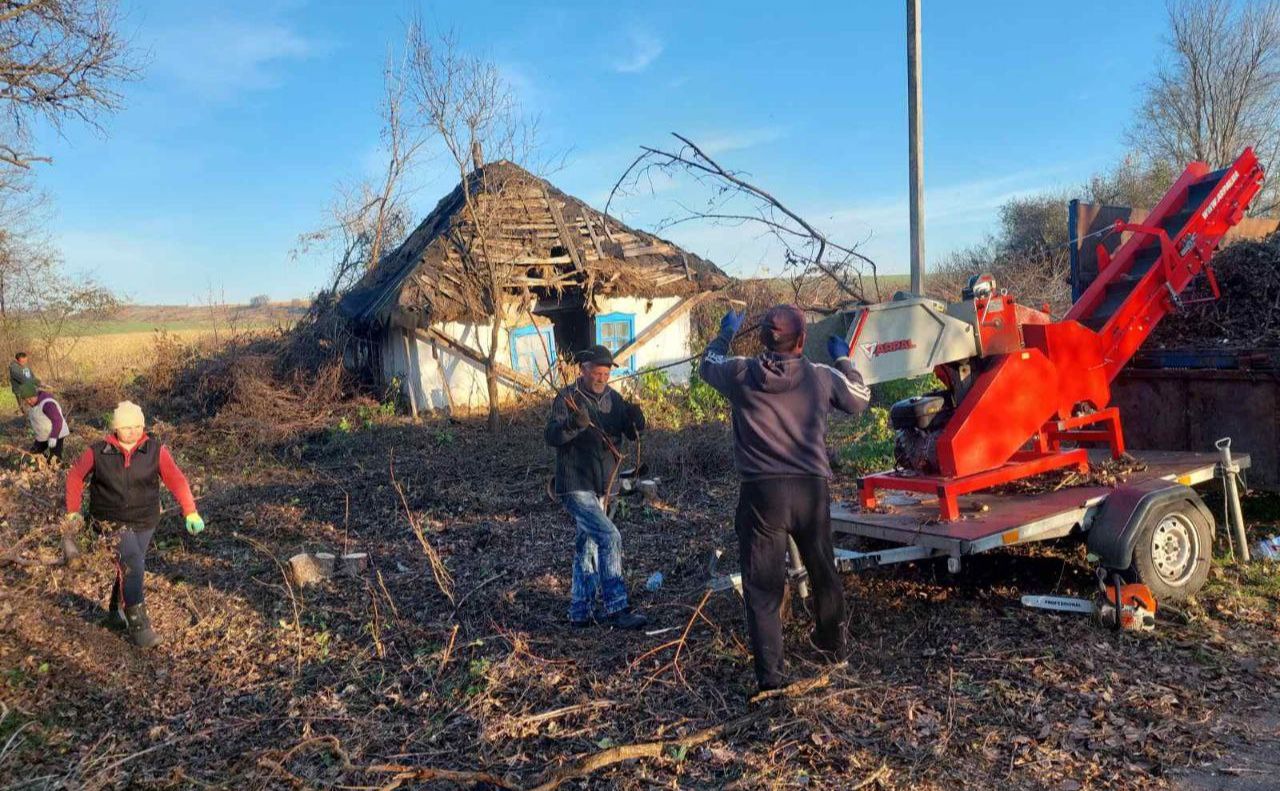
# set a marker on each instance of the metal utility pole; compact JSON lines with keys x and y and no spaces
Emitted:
{"x":915,"y":129}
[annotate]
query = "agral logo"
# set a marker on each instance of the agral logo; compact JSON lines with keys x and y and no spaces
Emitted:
{"x":887,"y":347}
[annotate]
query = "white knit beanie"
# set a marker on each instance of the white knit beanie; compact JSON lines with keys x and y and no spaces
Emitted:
{"x":127,"y":414}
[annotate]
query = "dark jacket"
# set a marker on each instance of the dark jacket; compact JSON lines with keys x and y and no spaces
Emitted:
{"x":19,"y":374}
{"x":780,"y":407}
{"x":583,"y":460}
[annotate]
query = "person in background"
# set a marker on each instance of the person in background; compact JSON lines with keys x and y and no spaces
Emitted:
{"x":48,"y":424}
{"x":588,"y":422}
{"x":780,"y":402}
{"x":124,"y":471}
{"x":20,"y":373}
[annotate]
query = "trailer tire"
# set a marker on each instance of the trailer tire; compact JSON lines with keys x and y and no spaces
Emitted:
{"x":1173,"y":551}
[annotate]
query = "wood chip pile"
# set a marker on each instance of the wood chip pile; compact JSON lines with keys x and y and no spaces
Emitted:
{"x":1247,"y":316}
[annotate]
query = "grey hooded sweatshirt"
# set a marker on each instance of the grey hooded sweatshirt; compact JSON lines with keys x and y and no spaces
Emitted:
{"x":780,"y":407}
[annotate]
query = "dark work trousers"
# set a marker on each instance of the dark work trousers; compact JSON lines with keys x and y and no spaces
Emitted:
{"x":50,"y":453}
{"x":770,"y":509}
{"x":132,"y":543}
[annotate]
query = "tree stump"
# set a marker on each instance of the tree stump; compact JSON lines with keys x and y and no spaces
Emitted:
{"x":354,"y":563}
{"x":307,"y":569}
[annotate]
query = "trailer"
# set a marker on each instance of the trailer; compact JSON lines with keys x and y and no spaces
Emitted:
{"x":1153,"y":528}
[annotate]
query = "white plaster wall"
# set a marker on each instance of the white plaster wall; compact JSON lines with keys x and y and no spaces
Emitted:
{"x":671,"y":344}
{"x":421,"y":370}
{"x":465,"y":377}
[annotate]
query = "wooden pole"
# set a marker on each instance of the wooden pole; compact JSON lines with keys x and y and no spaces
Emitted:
{"x":444,"y":379}
{"x":915,"y":130}
{"x":409,"y":372}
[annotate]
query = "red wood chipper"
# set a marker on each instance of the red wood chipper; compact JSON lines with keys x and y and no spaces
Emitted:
{"x":1021,"y":390}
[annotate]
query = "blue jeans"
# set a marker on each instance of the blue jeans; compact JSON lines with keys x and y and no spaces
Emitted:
{"x":597,"y":560}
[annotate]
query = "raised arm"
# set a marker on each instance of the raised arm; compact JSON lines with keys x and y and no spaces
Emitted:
{"x":717,"y":368}
{"x":848,"y":393}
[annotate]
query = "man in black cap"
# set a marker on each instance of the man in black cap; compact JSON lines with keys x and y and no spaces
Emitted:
{"x":589,"y":421}
{"x":780,"y":403}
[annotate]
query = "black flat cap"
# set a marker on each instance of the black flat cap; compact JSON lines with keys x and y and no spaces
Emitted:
{"x":597,"y":355}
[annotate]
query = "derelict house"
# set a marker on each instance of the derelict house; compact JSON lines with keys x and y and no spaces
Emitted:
{"x":569,"y":276}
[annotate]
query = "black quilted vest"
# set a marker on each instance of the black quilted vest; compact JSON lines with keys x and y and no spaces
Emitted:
{"x":125,"y":494}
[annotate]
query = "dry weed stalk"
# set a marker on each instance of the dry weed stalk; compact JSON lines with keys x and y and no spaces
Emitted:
{"x":293,"y":600}
{"x":444,"y":580}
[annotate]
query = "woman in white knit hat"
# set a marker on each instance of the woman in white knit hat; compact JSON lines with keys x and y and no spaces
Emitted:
{"x":125,"y":470}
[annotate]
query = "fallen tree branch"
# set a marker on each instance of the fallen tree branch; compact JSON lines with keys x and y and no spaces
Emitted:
{"x":591,"y":763}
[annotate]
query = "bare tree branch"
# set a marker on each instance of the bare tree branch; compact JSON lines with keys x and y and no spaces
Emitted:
{"x":736,"y":201}
{"x":1218,"y":90}
{"x":59,"y":59}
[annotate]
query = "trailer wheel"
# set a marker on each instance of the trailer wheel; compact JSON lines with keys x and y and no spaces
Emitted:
{"x":1173,"y":551}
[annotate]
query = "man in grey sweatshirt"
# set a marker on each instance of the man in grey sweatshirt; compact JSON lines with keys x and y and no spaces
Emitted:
{"x":780,"y":402}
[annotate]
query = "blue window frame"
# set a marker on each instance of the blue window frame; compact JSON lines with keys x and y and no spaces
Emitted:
{"x":527,"y":352}
{"x":615,"y":330}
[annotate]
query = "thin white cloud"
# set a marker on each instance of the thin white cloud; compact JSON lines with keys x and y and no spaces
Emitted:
{"x":219,"y":58}
{"x":640,"y":49}
{"x":725,"y":142}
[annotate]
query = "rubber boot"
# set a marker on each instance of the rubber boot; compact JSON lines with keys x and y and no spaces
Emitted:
{"x":140,"y":626}
{"x":70,"y":552}
{"x":114,"y":619}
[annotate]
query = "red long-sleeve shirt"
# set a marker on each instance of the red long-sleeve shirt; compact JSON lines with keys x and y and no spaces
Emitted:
{"x":172,"y":477}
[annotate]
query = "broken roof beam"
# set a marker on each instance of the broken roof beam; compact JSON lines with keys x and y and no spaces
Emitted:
{"x":564,"y":235}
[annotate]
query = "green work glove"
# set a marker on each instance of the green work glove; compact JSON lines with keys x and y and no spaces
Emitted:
{"x":194,"y":524}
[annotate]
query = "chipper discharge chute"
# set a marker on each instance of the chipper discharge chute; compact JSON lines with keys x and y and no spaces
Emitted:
{"x":1018,"y":385}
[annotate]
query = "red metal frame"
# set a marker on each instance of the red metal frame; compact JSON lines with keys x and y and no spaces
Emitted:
{"x":949,"y":489}
{"x":1045,"y":455}
{"x":1027,"y":392}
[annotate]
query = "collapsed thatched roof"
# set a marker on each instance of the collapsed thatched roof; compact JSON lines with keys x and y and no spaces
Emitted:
{"x":545,"y":243}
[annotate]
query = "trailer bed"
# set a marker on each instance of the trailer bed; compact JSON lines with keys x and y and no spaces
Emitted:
{"x":992,"y":520}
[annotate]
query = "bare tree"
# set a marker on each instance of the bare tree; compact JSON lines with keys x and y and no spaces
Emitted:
{"x":56,"y":308}
{"x":59,"y":59}
{"x":1219,"y":89}
{"x":809,"y":255}
{"x":371,"y":217}
{"x":466,"y":105}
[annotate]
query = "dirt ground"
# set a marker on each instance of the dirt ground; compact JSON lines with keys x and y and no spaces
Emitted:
{"x":405,"y":678}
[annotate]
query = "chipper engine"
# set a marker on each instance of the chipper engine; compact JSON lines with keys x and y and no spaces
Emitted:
{"x":1021,"y":390}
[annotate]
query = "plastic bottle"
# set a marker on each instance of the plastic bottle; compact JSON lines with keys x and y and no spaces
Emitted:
{"x":654,"y":582}
{"x":1268,"y":548}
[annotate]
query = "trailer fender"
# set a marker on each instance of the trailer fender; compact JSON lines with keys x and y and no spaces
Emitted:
{"x":1121,"y":516}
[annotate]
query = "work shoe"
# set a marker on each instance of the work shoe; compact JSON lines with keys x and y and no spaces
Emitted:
{"x":626,"y":618}
{"x":583,"y":623}
{"x":140,"y":626}
{"x":114,"y":619}
{"x":829,"y":653}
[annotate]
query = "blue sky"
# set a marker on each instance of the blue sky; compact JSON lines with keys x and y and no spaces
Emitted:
{"x":250,"y":114}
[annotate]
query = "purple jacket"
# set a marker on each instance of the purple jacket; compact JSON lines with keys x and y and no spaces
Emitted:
{"x":780,"y":407}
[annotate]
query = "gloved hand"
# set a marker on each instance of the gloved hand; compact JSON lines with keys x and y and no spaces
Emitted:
{"x":51,"y":442}
{"x":194,"y":524}
{"x":71,"y":524}
{"x":635,"y":420}
{"x":732,"y":321}
{"x":579,"y":418}
{"x":837,"y":347}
